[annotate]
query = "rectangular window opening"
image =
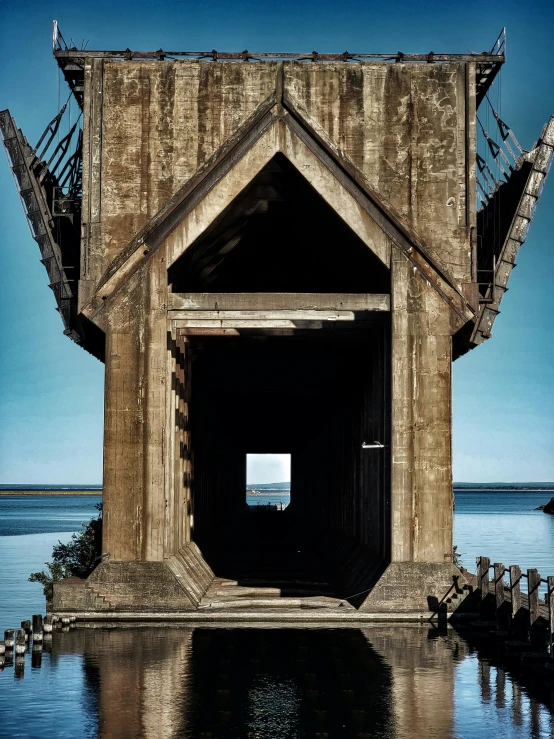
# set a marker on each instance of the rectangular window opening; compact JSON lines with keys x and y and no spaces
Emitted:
{"x":268,"y":481}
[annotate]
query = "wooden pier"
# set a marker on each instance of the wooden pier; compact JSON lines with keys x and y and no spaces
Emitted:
{"x":512,"y":615}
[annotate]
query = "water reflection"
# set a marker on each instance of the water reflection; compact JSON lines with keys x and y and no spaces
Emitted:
{"x":389,"y":681}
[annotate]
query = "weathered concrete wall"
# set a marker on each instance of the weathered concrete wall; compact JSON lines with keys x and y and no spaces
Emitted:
{"x":403,"y":126}
{"x":150,"y":125}
{"x":400,"y":129}
{"x":421,"y":486}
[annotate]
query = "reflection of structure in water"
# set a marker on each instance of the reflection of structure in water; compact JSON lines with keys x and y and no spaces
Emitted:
{"x":264,"y":682}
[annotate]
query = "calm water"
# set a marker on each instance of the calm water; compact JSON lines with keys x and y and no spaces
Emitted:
{"x":264,"y":683}
{"x":505,"y":527}
{"x":395,"y":682}
{"x":281,"y":500}
{"x":29,"y":528}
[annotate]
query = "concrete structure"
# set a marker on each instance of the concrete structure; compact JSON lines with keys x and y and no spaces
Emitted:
{"x":278,"y":256}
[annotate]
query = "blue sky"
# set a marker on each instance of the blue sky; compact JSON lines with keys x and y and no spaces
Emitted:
{"x":51,"y":392}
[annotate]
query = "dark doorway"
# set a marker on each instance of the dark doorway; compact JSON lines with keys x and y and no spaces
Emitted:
{"x":318,"y":397}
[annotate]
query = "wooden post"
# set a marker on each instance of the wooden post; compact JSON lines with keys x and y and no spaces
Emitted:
{"x":499,"y":595}
{"x":26,"y":627}
{"x":20,"y":641}
{"x":483,"y":577}
{"x":550,"y":586}
{"x":9,"y":640}
{"x":47,"y":624}
{"x":533,"y":583}
{"x":37,"y":628}
{"x":2,"y":647}
{"x":515,"y":589}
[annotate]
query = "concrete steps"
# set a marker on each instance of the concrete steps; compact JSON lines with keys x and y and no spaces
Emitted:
{"x":228,"y":594}
{"x":100,"y":602}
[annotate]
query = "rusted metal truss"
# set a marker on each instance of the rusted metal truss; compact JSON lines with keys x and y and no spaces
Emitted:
{"x":72,"y":60}
{"x":503,"y":223}
{"x":50,"y":191}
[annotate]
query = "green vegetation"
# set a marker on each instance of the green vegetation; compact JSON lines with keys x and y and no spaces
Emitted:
{"x":78,"y":558}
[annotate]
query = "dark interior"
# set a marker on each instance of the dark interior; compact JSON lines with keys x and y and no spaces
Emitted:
{"x":279,"y":235}
{"x":315,"y":397}
{"x":316,"y":393}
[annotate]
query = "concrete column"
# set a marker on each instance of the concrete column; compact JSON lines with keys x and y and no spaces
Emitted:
{"x":123,"y":445}
{"x":421,"y":492}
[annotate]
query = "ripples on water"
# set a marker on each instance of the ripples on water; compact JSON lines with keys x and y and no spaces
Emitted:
{"x":507,"y":528}
{"x":392,"y":682}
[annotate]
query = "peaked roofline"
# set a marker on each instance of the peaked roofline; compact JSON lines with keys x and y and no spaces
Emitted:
{"x":279,"y":107}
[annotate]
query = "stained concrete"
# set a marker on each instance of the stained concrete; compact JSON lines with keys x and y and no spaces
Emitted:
{"x":213,"y":179}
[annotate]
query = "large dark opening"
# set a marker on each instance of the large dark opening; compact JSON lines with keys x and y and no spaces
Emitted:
{"x":319,"y":397}
{"x":279,"y":235}
{"x":316,"y":389}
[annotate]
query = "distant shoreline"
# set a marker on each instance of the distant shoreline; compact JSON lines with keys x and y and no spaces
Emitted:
{"x":51,"y":492}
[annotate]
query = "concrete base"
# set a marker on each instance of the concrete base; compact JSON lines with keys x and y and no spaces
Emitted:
{"x":407,"y":587}
{"x":122,"y":586}
{"x":146,"y":591}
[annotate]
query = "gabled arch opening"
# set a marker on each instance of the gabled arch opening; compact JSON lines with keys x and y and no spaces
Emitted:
{"x":279,"y":235}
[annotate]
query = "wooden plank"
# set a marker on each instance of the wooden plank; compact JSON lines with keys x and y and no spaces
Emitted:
{"x":499,"y":571}
{"x":249,"y":323}
{"x":533,"y":582}
{"x":483,"y":576}
{"x":265,"y":315}
{"x":515,"y":588}
{"x":279,"y":301}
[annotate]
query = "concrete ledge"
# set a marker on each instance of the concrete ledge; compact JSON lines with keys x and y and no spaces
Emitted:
{"x":267,"y":616}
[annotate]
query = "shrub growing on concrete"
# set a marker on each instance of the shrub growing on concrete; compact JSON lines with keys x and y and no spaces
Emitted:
{"x":77,"y":558}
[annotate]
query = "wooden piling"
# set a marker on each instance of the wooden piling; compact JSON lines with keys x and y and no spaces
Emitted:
{"x":26,"y":627}
{"x":499,"y":571}
{"x":2,"y":647}
{"x":515,"y":588}
{"x":499,"y":593}
{"x":20,"y":641}
{"x":533,"y":583}
{"x":9,"y":639}
{"x":483,"y":576}
{"x":47,"y":624}
{"x":37,"y":628}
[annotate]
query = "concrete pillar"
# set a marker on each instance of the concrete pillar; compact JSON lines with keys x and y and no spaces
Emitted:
{"x":421,"y":491}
